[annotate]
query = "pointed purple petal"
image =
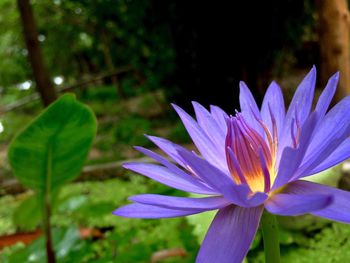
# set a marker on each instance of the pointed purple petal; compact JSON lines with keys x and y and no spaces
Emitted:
{"x":237,"y":194}
{"x":300,"y":106}
{"x":165,"y":176}
{"x":302,"y":99}
{"x":330,"y":134}
{"x":210,"y":126}
{"x":172,"y":202}
{"x":297,"y":204}
{"x":249,"y":108}
{"x":168,"y":147}
{"x":230,"y":235}
{"x":203,"y":143}
{"x":273,"y":99}
{"x":339,"y":155}
{"x":220,"y":117}
{"x":292,"y":158}
{"x":327,"y":95}
{"x":176,"y":170}
{"x":149,"y":211}
{"x":338,"y":117}
{"x":318,"y":157}
{"x":338,"y":210}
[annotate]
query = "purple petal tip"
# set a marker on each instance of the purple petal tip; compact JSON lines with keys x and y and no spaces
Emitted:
{"x":336,"y":75}
{"x":118,"y":212}
{"x":242,"y":84}
{"x":138,"y":148}
{"x":127,"y":165}
{"x":175,"y":106}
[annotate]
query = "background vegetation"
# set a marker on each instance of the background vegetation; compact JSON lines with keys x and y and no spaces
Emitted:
{"x":127,"y":60}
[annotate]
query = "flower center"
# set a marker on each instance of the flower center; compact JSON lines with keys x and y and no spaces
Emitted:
{"x":251,"y":158}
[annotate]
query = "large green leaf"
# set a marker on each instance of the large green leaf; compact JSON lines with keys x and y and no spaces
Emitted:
{"x":54,"y":147}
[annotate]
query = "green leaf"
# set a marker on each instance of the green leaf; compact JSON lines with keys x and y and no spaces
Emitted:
{"x":201,"y":223}
{"x":66,"y":242}
{"x":54,"y":147}
{"x":28,"y":214}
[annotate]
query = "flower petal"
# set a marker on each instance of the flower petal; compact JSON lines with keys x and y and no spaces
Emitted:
{"x":249,"y":108}
{"x":292,"y":158}
{"x":165,"y":176}
{"x":210,"y":126}
{"x":176,"y":170}
{"x":302,"y":99}
{"x":273,"y":100}
{"x":237,"y":194}
{"x":168,"y":147}
{"x":173,"y":202}
{"x":338,"y":117}
{"x":327,"y":95}
{"x":297,"y":204}
{"x":219,"y":116}
{"x":205,"y":145}
{"x":300,"y":106}
{"x":338,"y":210}
{"x":149,"y":211}
{"x":332,"y":131}
{"x":230,"y":235}
{"x":339,"y":155}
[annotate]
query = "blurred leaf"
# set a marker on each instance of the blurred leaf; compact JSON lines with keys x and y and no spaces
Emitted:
{"x":132,"y":130}
{"x":305,"y":223}
{"x":96,"y":210}
{"x":66,"y":241}
{"x":53,"y":148}
{"x":256,"y":241}
{"x":8,"y":204}
{"x":72,"y":203}
{"x":28,"y":214}
{"x":201,"y":223}
{"x":285,"y":237}
{"x":330,"y":245}
{"x":329,"y":177}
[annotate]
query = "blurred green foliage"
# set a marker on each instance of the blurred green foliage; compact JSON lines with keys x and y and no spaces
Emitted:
{"x":89,"y":204}
{"x":11,"y":123}
{"x":179,"y":133}
{"x":82,"y":38}
{"x":132,"y":130}
{"x":13,"y":56}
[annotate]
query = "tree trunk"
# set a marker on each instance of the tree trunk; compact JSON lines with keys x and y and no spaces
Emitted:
{"x":40,"y":72}
{"x":334,"y":43}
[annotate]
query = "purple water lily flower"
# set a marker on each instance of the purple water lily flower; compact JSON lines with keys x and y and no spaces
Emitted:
{"x":249,"y":162}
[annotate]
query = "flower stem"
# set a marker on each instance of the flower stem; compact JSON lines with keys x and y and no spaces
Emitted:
{"x":270,"y":235}
{"x":50,"y":253}
{"x":47,"y":198}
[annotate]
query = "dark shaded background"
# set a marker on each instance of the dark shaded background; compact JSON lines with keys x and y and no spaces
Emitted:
{"x":219,"y":44}
{"x":194,"y":50}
